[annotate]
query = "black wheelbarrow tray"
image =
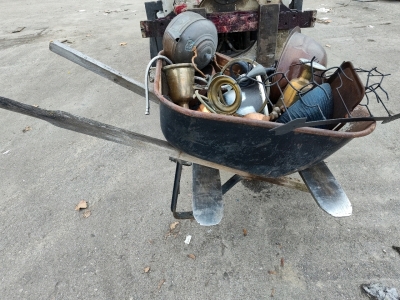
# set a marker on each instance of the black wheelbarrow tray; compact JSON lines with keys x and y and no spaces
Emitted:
{"x":250,"y":149}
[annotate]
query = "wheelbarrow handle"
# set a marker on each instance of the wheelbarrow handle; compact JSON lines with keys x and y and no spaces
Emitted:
{"x":302,"y":122}
{"x":86,"y":126}
{"x":101,"y":69}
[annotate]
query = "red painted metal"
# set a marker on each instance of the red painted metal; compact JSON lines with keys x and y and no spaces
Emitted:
{"x":234,"y":21}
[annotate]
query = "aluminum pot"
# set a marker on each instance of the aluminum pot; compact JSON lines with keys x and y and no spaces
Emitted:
{"x":186,"y":31}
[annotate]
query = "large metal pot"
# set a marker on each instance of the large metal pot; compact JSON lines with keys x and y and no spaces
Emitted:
{"x":186,"y":31}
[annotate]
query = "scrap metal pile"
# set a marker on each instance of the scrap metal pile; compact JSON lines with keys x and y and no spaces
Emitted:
{"x":297,"y":86}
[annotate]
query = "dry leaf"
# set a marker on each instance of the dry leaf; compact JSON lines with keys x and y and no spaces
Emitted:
{"x":192,"y":256}
{"x":27,"y":128}
{"x":272,"y":272}
{"x":86,"y":214}
{"x":123,"y":44}
{"x":282,"y":262}
{"x":162,"y":281}
{"x":81,"y":204}
{"x":244,"y":232}
{"x":147,"y":269}
{"x":173,"y":226}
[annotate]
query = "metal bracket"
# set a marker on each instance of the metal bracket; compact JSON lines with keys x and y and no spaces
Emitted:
{"x":176,"y":190}
{"x":230,"y":183}
{"x":290,"y":18}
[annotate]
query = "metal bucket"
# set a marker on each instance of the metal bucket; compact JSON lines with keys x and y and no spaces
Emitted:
{"x":180,"y":80}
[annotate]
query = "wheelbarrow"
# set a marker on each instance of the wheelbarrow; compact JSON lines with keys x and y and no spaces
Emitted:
{"x":250,"y":149}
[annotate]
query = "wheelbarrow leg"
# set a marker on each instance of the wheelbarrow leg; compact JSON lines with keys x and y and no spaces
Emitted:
{"x":176,"y":190}
{"x":207,"y":193}
{"x":326,"y":190}
{"x":208,"y":207}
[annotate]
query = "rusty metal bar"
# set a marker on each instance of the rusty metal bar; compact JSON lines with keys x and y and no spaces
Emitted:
{"x":236,"y":21}
{"x":267,"y":34}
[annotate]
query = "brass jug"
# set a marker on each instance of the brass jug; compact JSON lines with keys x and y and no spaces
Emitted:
{"x":290,"y":93}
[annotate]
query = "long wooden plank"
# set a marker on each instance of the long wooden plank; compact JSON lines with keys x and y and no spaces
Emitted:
{"x":83,"y":125}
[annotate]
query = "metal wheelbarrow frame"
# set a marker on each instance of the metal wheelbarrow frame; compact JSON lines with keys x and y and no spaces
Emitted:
{"x":262,"y":154}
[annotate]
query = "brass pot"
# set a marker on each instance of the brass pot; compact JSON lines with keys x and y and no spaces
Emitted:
{"x":180,"y":80}
{"x":302,"y":84}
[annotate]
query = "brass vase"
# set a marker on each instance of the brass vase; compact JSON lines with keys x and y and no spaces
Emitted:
{"x":302,"y":83}
{"x":180,"y":80}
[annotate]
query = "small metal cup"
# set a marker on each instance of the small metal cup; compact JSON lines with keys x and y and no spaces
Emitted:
{"x":180,"y":79}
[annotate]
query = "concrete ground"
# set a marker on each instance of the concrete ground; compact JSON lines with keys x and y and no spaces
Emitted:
{"x":292,"y":250}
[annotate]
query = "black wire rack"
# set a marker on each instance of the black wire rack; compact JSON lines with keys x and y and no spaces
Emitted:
{"x":346,"y":92}
{"x":349,"y":91}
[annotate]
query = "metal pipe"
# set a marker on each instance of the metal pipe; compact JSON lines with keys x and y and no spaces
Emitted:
{"x":146,"y":79}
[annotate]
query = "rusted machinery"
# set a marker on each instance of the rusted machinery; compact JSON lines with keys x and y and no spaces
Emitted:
{"x":240,"y":23}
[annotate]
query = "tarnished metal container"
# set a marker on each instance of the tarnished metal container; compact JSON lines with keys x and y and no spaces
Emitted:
{"x":186,"y":31}
{"x":180,"y":78}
